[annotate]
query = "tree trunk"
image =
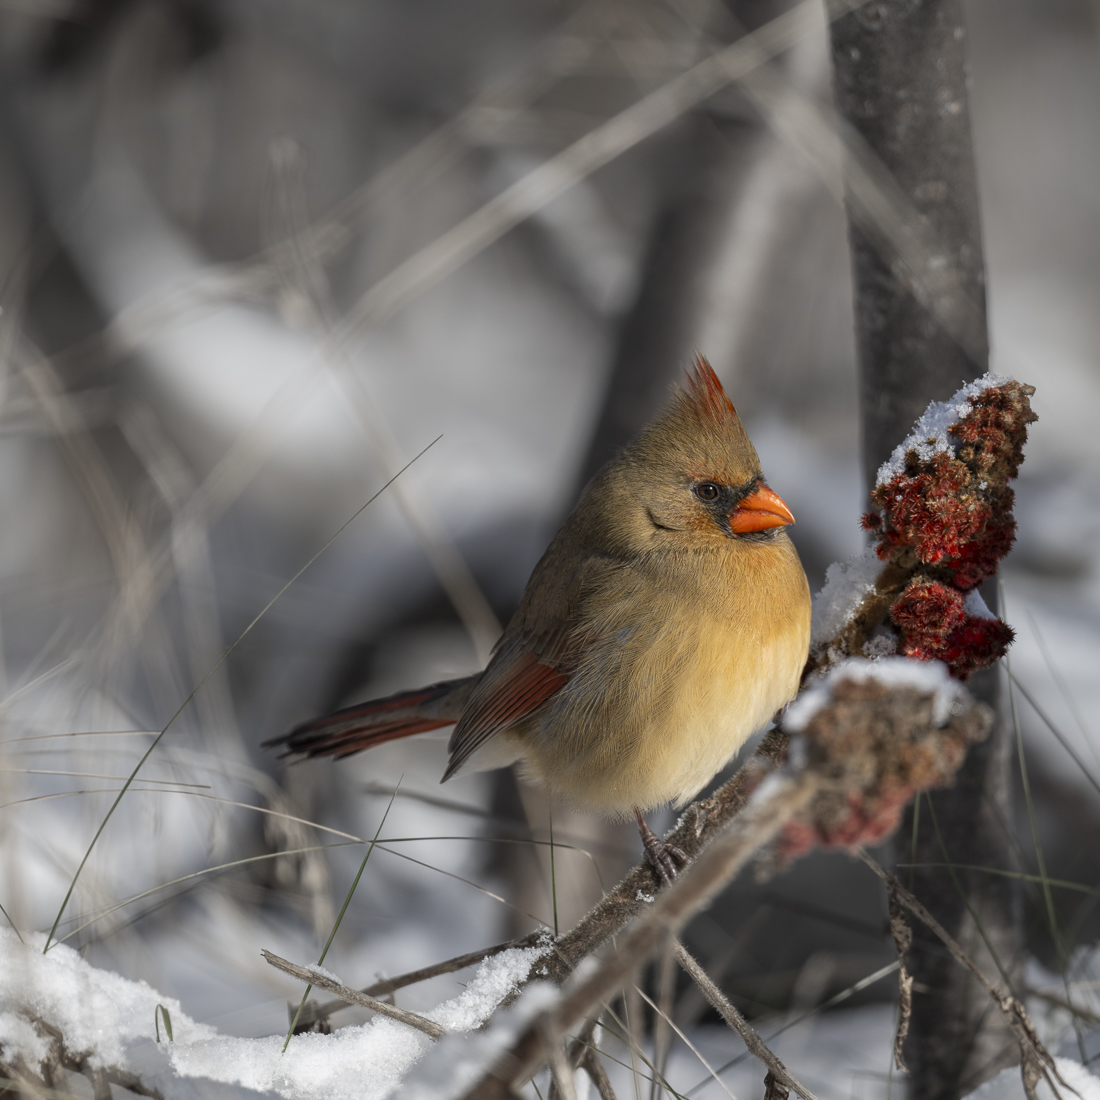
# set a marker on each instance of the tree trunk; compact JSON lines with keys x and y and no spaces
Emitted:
{"x":900,"y":72}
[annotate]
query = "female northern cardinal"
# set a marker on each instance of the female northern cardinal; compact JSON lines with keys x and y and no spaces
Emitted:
{"x":667,"y":621}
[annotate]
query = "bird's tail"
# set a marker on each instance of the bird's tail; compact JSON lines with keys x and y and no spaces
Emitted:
{"x":365,"y":725}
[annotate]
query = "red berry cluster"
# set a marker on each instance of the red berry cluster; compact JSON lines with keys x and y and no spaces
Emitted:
{"x":947,"y":520}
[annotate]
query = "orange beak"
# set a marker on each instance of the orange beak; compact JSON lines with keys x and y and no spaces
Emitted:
{"x":760,"y":511}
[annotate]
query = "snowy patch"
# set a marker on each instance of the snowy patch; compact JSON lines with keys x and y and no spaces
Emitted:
{"x":457,"y":1061}
{"x":317,"y":968}
{"x":95,"y":1010}
{"x":883,"y":644}
{"x":106,"y":1014}
{"x":929,"y":676}
{"x":1008,"y":1086}
{"x":846,"y":583}
{"x":930,"y":435}
{"x":976,"y":607}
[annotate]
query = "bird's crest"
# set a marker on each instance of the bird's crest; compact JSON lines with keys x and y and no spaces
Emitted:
{"x":704,"y":394}
{"x":704,"y":432}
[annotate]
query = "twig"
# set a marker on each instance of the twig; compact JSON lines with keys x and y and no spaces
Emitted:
{"x":1036,"y":1061}
{"x":100,"y":1077}
{"x":692,"y":889}
{"x":659,"y":1072}
{"x":386,"y":986}
{"x":721,"y":1004}
{"x":699,"y":824}
{"x":592,"y":1065}
{"x":773,"y":1090}
{"x":1063,"y":1002}
{"x":578,"y":1051}
{"x":561,"y":1071}
{"x":353,"y":996}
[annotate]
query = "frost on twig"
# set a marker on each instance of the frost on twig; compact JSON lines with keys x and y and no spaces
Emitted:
{"x":943,"y":521}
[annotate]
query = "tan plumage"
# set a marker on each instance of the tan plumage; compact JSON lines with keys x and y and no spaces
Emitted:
{"x":661,"y":628}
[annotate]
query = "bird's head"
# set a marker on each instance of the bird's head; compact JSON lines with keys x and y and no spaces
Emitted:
{"x":694,"y":472}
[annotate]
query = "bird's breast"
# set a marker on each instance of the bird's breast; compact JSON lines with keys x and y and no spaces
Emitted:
{"x":673,"y":680}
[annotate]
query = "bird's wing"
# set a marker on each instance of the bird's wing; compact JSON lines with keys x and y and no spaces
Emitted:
{"x":523,"y":673}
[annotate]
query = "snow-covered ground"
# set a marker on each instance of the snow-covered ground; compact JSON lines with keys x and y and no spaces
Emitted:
{"x":130,"y":1026}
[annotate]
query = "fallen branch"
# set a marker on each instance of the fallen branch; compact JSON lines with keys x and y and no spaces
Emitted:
{"x":353,"y":996}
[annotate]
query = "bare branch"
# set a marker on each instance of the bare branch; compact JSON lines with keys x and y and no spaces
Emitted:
{"x":592,"y":1065}
{"x":692,"y":889}
{"x":353,"y":996}
{"x":386,"y":986}
{"x":1036,"y":1061}
{"x":721,"y":1004}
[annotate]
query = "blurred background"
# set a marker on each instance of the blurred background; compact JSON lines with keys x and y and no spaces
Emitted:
{"x":256,"y":257}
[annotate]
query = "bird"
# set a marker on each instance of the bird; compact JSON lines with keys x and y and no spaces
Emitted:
{"x":667,"y":621}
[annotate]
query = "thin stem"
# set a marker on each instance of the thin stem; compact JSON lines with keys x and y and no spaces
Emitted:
{"x":217,"y":664}
{"x":553,"y":874}
{"x":340,"y":917}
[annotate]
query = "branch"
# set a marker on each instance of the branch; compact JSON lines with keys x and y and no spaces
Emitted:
{"x":1036,"y":1061}
{"x":691,"y":890}
{"x":700,"y":823}
{"x":353,"y":996}
{"x":384,"y":986}
{"x":729,"y":1013}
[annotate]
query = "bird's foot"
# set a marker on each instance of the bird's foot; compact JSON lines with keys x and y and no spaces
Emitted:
{"x":662,"y":857}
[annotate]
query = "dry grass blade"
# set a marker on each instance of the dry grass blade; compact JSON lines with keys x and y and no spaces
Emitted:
{"x":721,"y":1004}
{"x":305,"y":280}
{"x":217,"y":664}
{"x":659,"y":1074}
{"x":353,"y":996}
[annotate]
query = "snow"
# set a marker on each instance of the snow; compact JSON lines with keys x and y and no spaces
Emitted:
{"x":1008,"y":1086}
{"x":99,"y":1011}
{"x":846,"y":583}
{"x":930,"y":435}
{"x":898,"y":672}
{"x":95,"y":1010}
{"x":976,"y":607}
{"x":317,"y":968}
{"x":456,"y":1062}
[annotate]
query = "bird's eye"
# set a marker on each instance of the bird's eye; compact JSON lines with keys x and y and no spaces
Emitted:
{"x":706,"y":490}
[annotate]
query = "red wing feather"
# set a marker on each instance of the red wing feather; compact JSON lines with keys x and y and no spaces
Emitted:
{"x":365,"y":725}
{"x":519,"y":679}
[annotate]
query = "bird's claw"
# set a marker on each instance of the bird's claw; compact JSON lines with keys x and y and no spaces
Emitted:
{"x":662,"y":857}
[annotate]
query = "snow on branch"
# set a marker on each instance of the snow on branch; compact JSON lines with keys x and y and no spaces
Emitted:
{"x":943,"y":521}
